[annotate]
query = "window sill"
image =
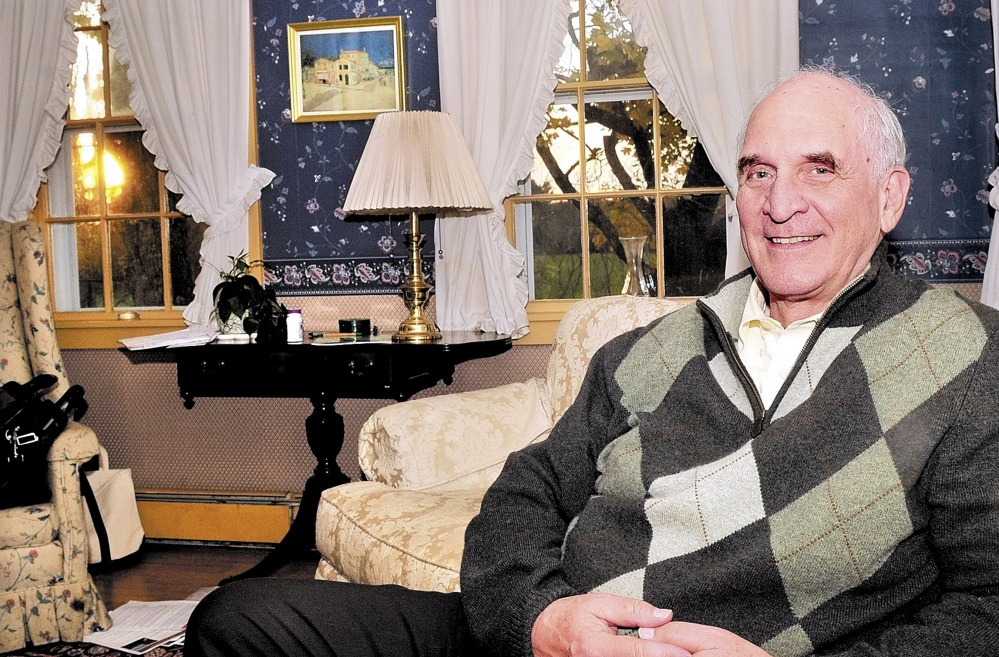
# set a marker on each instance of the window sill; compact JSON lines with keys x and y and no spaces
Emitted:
{"x":543,"y":318}
{"x":105,"y":333}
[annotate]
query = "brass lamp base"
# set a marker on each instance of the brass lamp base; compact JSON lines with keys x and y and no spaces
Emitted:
{"x":417,"y":332}
{"x":416,"y":292}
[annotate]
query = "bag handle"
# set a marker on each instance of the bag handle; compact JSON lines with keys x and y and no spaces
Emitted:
{"x":95,"y":511}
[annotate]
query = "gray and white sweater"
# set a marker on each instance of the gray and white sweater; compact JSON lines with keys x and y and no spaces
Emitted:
{"x":859,"y":515}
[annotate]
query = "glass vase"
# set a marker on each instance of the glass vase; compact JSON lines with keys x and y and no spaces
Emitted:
{"x":635,"y":283}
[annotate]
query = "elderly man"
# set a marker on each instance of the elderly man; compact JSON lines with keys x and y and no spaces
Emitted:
{"x":804,"y":462}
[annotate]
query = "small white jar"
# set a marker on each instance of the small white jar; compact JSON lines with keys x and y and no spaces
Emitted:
{"x":295,"y":332}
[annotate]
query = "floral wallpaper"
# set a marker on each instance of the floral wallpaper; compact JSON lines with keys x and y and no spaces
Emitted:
{"x":310,"y":245}
{"x":933,"y":60}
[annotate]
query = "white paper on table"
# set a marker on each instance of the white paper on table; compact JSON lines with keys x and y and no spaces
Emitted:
{"x":181,"y":338}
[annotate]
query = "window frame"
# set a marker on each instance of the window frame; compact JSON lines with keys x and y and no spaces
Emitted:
{"x":544,"y":315}
{"x":103,"y":329}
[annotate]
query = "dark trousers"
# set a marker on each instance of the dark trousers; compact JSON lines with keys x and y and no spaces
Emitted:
{"x":314,"y":617}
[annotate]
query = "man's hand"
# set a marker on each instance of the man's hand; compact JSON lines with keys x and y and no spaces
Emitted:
{"x":586,"y":625}
{"x":703,"y":640}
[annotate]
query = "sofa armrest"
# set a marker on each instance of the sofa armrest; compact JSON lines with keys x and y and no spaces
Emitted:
{"x":459,"y":440}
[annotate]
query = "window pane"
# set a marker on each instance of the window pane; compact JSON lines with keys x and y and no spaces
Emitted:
{"x":131,"y":180}
{"x":611,"y":220}
{"x":611,"y":51}
{"x":556,"y":153}
{"x":567,"y":69}
{"x":619,"y":146}
{"x":120,"y":87}
{"x":694,"y":244}
{"x":76,"y":266}
{"x":89,"y":14}
{"x":87,"y":84}
{"x":137,"y":263}
{"x":172,"y":200}
{"x":558,"y":261}
{"x":185,"y":246}
{"x":684,"y":163}
{"x":73,"y":177}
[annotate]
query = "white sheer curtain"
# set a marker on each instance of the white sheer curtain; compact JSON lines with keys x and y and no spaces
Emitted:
{"x":990,"y":284}
{"x":189,"y":66}
{"x":497,"y":68}
{"x":709,"y":61}
{"x":37,"y":49}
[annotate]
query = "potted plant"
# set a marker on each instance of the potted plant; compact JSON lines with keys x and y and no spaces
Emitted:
{"x":243,"y":305}
{"x":268,"y":319}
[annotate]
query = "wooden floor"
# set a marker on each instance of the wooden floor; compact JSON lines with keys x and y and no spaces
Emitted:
{"x":175,"y":572}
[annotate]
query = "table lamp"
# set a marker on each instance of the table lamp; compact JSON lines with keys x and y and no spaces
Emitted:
{"x":416,"y":162}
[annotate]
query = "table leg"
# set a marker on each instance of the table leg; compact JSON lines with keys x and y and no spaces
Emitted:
{"x":324,"y":431}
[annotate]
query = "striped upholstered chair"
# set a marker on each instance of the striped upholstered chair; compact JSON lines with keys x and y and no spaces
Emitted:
{"x":47,"y":593}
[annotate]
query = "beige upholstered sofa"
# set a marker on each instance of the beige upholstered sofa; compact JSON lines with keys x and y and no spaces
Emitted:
{"x":47,"y":593}
{"x":429,"y":461}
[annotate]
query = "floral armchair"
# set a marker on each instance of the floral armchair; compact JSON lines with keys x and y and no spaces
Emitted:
{"x":429,"y":461}
{"x":47,"y":594}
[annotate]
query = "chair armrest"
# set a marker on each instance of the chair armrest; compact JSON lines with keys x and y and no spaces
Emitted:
{"x":74,"y":446}
{"x":76,"y":443}
{"x":459,"y":440}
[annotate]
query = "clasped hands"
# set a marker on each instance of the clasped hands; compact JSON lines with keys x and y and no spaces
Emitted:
{"x":587,"y":626}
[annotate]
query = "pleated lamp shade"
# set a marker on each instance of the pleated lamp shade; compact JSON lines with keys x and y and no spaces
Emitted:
{"x":415,"y":162}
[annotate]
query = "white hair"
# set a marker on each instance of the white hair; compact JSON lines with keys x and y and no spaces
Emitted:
{"x":880,"y":132}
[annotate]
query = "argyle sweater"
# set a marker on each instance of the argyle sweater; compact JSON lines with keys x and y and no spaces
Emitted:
{"x":858,"y":515}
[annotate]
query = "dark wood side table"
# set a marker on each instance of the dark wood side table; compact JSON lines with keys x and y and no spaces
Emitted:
{"x":362,"y":369}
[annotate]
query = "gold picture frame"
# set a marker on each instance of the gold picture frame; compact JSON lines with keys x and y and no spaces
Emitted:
{"x":347,"y":69}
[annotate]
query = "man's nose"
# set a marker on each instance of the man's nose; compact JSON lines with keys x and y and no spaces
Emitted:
{"x":784,"y":200}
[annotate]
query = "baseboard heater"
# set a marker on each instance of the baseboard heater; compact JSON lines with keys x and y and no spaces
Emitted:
{"x":254,"y":518}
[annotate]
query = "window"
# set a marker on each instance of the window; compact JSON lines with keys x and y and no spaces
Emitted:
{"x":119,"y":247}
{"x":612,"y":164}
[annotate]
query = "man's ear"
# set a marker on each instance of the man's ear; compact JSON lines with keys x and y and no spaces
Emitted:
{"x":894,"y":195}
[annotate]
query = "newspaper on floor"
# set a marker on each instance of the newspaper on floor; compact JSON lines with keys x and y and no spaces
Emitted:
{"x":138,"y":627}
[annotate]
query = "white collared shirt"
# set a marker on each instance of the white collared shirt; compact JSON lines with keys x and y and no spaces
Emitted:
{"x":768,"y":349}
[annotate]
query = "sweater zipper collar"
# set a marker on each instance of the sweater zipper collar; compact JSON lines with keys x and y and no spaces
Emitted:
{"x":762,"y":416}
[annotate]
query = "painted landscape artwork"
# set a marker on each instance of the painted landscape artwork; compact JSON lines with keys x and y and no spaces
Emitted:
{"x":350,"y":71}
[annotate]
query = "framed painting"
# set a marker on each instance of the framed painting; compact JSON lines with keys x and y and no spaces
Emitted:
{"x":347,"y":69}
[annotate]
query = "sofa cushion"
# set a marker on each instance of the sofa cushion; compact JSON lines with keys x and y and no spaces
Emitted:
{"x":28,"y":526}
{"x":453,"y":441}
{"x":373,"y":534}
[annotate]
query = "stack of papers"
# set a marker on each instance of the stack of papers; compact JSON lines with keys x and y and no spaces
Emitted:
{"x":182,"y":338}
{"x":138,"y":627}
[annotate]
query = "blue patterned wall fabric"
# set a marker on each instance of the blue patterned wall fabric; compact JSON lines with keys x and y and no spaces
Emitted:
{"x":932,"y":59}
{"x":310,"y":246}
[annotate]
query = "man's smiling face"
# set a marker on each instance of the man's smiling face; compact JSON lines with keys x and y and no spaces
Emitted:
{"x":811,"y":212}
